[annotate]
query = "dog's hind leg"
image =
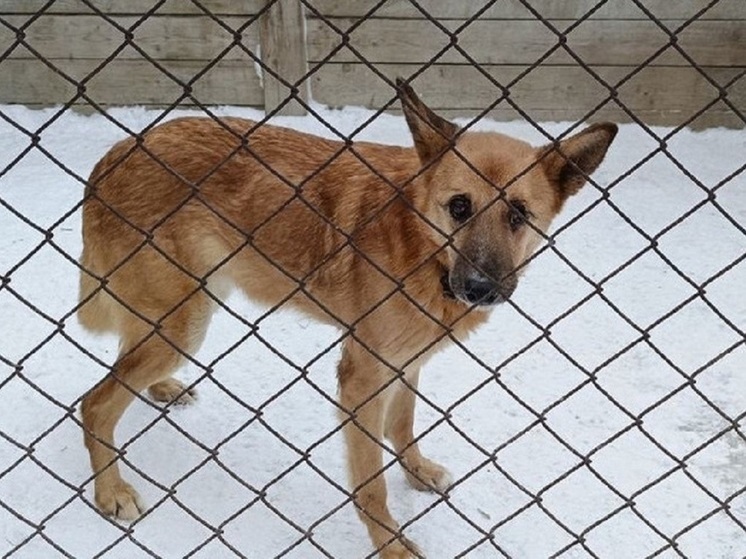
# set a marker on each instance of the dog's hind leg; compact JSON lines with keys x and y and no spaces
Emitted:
{"x":422,"y":474}
{"x":148,"y":357}
{"x":362,"y":381}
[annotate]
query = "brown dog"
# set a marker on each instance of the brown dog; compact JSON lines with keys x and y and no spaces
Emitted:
{"x":402,"y":248}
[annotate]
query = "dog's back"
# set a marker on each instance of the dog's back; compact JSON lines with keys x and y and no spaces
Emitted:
{"x":199,"y":201}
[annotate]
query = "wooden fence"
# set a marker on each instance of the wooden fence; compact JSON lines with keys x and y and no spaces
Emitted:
{"x":665,"y":68}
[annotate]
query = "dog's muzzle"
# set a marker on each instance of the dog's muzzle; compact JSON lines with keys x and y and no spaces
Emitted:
{"x":482,"y":291}
{"x":479,"y":290}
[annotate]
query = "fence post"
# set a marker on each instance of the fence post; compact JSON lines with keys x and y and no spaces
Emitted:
{"x":283,"y":50}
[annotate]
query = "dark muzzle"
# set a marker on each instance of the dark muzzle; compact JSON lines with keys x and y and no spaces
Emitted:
{"x":479,"y":289}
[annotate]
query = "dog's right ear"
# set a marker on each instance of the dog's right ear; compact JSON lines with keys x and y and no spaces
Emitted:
{"x":432,"y":134}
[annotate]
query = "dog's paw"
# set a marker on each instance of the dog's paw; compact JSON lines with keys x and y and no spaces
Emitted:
{"x":426,"y":475}
{"x":120,"y":501}
{"x":172,"y":391}
{"x":401,"y":548}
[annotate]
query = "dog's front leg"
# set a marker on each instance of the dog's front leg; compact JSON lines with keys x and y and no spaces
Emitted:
{"x":422,"y":474}
{"x":362,"y":383}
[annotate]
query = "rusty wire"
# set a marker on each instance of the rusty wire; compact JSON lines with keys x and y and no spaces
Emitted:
{"x":502,"y":98}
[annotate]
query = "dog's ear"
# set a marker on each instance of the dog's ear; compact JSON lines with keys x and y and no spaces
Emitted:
{"x":432,"y":134}
{"x":570,"y":162}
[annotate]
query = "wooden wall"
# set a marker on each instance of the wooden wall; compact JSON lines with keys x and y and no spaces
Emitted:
{"x":178,"y":36}
{"x":353,"y":47}
{"x":507,"y":40}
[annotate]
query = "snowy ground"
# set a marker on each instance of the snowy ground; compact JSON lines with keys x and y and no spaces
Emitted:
{"x":673,"y":451}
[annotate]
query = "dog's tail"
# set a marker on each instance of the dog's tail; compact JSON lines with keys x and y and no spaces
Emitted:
{"x":96,"y":310}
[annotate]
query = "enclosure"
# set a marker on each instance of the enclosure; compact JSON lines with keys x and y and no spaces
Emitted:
{"x":599,"y":413}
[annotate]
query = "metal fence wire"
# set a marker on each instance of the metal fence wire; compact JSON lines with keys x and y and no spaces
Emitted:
{"x":487,"y":535}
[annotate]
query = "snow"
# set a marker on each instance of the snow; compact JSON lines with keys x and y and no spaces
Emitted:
{"x":627,"y":431}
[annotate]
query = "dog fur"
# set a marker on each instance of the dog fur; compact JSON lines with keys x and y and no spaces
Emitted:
{"x":367,"y":237}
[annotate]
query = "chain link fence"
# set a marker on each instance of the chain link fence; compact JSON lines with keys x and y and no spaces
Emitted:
{"x":598,"y":428}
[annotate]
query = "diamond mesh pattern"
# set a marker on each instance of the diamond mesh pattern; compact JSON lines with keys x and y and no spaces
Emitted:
{"x":532,"y":421}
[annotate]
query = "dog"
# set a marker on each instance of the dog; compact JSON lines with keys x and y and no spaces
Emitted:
{"x":402,"y":248}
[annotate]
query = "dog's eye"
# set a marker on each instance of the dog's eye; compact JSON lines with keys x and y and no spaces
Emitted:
{"x":460,"y":207}
{"x":517,"y":215}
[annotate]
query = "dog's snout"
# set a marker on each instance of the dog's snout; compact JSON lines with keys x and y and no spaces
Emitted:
{"x":477,"y":288}
{"x":480,"y":289}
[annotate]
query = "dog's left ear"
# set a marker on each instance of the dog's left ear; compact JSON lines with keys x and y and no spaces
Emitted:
{"x":570,"y":163}
{"x":432,"y":134}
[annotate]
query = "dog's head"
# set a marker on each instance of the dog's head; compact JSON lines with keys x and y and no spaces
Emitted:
{"x":491,"y":198}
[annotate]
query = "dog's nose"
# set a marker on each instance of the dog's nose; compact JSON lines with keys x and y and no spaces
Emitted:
{"x":479,"y":289}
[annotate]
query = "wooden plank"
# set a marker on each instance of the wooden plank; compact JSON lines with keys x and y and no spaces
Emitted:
{"x":283,"y":53}
{"x":128,"y":82}
{"x":515,"y":9}
{"x":217,"y":7}
{"x":92,"y":37}
{"x":560,"y":90}
{"x":440,"y":9}
{"x":712,"y":118}
{"x":717,"y":116}
{"x":710,"y":43}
